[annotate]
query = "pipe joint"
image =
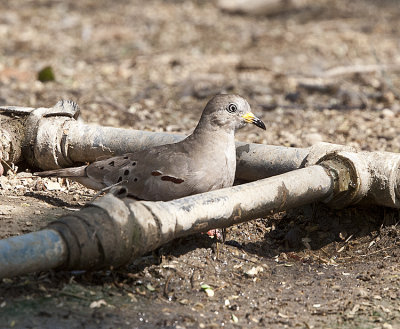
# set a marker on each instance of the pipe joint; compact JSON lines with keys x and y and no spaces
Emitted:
{"x":96,"y":237}
{"x":319,"y":150}
{"x":349,"y":170}
{"x":46,"y":131}
{"x":107,"y":232}
{"x":351,"y":178}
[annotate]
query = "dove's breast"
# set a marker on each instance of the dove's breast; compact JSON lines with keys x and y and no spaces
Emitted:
{"x":230,"y":163}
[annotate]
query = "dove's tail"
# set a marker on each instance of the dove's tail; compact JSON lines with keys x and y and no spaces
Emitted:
{"x":65,"y":172}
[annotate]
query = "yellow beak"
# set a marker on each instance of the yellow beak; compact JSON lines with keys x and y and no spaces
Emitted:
{"x":251,"y":118}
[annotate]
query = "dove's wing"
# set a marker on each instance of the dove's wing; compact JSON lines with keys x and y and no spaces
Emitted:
{"x":161,"y":173}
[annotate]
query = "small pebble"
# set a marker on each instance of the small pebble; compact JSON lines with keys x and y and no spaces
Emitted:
{"x":387,"y":113}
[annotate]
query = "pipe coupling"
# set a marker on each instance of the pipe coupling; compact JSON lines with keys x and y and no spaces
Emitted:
{"x":351,"y":175}
{"x":45,"y":143}
{"x":108,"y":232}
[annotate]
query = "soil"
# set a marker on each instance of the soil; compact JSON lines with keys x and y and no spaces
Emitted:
{"x":326,"y":72}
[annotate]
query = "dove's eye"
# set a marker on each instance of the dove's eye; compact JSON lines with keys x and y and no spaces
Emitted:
{"x":232,"y":108}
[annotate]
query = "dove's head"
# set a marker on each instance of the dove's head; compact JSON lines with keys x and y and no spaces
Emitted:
{"x":229,"y":112}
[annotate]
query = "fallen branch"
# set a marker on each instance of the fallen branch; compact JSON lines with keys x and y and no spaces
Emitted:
{"x":331,"y":73}
{"x":358,"y":69}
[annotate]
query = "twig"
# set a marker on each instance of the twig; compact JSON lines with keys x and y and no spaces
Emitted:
{"x":107,"y":189}
{"x":345,"y":243}
{"x":224,"y":285}
{"x":69,"y":294}
{"x":353,"y":69}
{"x":375,"y":252}
{"x":365,"y":255}
{"x":165,"y":292}
{"x":171,"y":267}
{"x":319,"y":107}
{"x":330,"y":73}
{"x":254,"y":66}
{"x":8,"y":166}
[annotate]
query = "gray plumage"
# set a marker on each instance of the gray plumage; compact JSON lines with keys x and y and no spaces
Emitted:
{"x":204,"y":161}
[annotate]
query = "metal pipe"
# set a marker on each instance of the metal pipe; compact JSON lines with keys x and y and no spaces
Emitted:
{"x":37,"y":251}
{"x":112,"y":231}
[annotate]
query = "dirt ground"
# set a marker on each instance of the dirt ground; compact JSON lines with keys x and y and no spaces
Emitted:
{"x":326,"y":72}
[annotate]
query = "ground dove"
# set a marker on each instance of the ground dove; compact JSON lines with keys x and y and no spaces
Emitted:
{"x":203,"y":161}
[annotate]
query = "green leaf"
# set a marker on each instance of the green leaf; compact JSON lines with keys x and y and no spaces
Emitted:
{"x":46,"y":74}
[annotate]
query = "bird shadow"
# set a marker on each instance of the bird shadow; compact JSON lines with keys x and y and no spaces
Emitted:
{"x":52,"y":200}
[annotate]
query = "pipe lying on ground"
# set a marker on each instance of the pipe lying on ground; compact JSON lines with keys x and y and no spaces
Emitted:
{"x":112,"y":231}
{"x":54,"y":138}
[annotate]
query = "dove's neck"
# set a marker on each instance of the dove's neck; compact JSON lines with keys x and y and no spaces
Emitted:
{"x":217,"y":145}
{"x":215,"y":136}
{"x":212,"y":125}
